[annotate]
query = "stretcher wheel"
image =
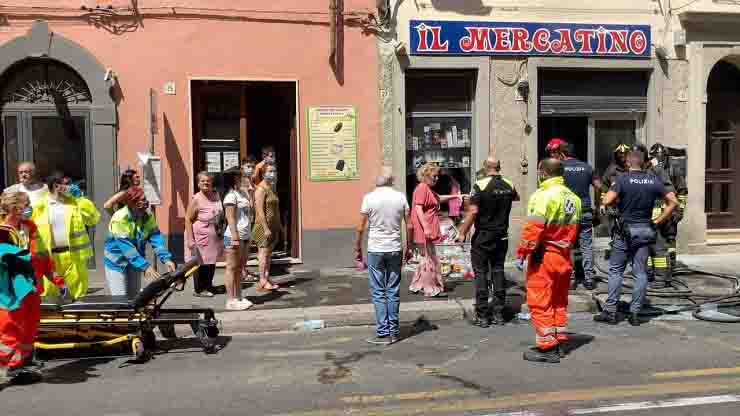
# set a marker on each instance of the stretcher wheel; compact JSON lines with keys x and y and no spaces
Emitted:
{"x":140,"y":351}
{"x":168,"y":330}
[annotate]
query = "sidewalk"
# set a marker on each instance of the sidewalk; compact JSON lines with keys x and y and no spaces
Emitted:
{"x":340,"y":297}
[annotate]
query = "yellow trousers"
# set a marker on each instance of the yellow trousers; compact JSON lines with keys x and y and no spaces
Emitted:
{"x":74,"y":270}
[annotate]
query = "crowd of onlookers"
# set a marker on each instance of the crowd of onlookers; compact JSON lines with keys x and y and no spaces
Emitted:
{"x":218,"y":225}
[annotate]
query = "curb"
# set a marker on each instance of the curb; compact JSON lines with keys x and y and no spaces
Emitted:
{"x":291,"y":319}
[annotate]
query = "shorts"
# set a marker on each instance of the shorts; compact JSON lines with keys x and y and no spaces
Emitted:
{"x":227,"y":242}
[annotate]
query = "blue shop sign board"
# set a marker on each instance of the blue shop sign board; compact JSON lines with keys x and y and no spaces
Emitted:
{"x":434,"y":37}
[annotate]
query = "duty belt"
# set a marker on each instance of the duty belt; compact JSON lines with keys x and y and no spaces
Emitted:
{"x":59,"y":250}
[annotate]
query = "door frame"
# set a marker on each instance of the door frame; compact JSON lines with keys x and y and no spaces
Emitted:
{"x":298,"y":161}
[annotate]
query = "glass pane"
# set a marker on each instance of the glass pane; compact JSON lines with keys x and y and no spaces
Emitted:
{"x":724,"y":201}
{"x":445,"y":141}
{"x":10,"y":138}
{"x":430,"y":92}
{"x":607,"y":135}
{"x":708,"y":197}
{"x":59,"y":144}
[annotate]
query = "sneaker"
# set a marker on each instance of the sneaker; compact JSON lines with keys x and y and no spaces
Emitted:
{"x":246,"y":303}
{"x":23,"y":375}
{"x":606,"y":317}
{"x":634,"y":319}
{"x":384,"y":340}
{"x":235,"y":305}
{"x":535,"y":355}
{"x":203,"y":294}
{"x":498,"y":318}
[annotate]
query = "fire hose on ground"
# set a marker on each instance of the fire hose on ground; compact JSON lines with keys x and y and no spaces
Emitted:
{"x":704,"y":306}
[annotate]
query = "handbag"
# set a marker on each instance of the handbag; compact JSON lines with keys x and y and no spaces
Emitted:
{"x":221,"y":222}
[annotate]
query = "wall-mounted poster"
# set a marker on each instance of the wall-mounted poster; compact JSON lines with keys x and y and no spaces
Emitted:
{"x":332,"y":142}
{"x":213,"y":162}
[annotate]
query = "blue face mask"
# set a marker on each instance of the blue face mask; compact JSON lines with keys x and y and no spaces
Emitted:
{"x":248,"y":171}
{"x":270,"y":177}
{"x":27,"y":213}
{"x":73,"y":191}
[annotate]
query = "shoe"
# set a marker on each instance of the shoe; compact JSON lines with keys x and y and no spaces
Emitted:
{"x":498,"y":319}
{"x":235,"y":305}
{"x":384,"y":340}
{"x":395,"y":338}
{"x":203,"y":294}
{"x":634,"y":319}
{"x":562,"y":349}
{"x":23,"y":376}
{"x":481,"y":322}
{"x":535,"y":355}
{"x":246,"y":303}
{"x":607,"y":317}
{"x":589,"y":284}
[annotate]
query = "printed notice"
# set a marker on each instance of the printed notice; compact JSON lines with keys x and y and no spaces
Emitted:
{"x":213,"y":162}
{"x":332,"y":138}
{"x":231,"y":159}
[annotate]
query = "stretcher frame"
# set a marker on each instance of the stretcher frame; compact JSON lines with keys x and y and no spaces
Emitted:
{"x":83,"y":326}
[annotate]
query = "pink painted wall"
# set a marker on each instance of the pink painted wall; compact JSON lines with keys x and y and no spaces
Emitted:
{"x":276,"y":40}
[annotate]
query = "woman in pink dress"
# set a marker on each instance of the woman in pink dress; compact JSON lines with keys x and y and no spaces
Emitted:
{"x":204,"y":213}
{"x":425,"y":219}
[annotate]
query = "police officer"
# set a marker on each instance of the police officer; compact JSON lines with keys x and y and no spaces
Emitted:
{"x":664,"y":255}
{"x":579,"y":177}
{"x":634,"y":194}
{"x":489,"y":208}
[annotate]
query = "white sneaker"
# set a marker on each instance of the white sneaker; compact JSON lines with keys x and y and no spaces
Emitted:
{"x":235,"y":305}
{"x":247,"y":304}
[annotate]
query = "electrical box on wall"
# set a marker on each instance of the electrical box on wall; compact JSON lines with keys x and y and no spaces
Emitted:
{"x":169,"y":88}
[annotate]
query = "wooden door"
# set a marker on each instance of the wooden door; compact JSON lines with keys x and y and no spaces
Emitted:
{"x":722,"y":183}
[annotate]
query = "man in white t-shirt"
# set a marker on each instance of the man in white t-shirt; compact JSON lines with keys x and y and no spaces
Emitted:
{"x":382,"y":212}
{"x":28,"y":183}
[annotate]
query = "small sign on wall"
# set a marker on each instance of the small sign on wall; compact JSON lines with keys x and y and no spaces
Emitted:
{"x":169,"y":88}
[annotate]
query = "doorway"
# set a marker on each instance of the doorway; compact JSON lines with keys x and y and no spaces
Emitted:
{"x":234,"y":120}
{"x":722,"y":178}
{"x":594,"y":137}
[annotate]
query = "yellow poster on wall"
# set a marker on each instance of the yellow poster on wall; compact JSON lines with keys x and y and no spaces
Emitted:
{"x":332,"y":142}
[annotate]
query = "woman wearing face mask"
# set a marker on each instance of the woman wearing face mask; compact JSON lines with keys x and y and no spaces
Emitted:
{"x":203,"y":214}
{"x":130,"y":230}
{"x":63,"y":217}
{"x":268,"y":157}
{"x":425,"y":219}
{"x":249,"y":188}
{"x":129,"y":178}
{"x":267,"y":226}
{"x":18,"y":327}
{"x":237,"y":207}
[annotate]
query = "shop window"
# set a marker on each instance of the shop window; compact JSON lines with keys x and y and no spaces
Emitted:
{"x":439,"y":129}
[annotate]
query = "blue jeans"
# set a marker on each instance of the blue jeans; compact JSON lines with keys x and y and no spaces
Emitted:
{"x":385,"y":281}
{"x":585,"y":246}
{"x":637,"y":249}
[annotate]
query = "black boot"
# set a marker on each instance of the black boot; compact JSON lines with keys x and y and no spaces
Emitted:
{"x":634,"y":319}
{"x":481,"y":322}
{"x":497,"y":318}
{"x":563,"y":349}
{"x":607,"y":317}
{"x":535,"y":355}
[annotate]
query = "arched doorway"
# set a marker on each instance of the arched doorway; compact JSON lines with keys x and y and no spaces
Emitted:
{"x":722,"y":180}
{"x":46,"y":119}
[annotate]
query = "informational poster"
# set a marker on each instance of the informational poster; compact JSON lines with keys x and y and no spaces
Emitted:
{"x":332,"y":141}
{"x":213,"y":162}
{"x":231,"y":159}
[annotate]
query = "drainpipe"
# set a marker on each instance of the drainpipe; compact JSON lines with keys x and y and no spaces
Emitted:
{"x":332,"y":31}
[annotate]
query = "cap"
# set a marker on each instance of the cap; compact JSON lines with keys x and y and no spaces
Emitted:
{"x":554,"y":143}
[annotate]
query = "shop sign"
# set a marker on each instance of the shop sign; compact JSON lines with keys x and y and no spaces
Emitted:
{"x":533,"y":39}
{"x":332,"y":142}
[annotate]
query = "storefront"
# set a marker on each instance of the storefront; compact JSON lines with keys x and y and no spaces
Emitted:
{"x":173,"y":91}
{"x":473,"y":88}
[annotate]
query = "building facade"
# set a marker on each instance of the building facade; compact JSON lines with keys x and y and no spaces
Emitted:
{"x":503,"y":77}
{"x":95,"y":87}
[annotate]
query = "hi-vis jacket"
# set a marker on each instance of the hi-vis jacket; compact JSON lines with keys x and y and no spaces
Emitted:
{"x":127,"y":239}
{"x":80,"y":214}
{"x":553,"y":214}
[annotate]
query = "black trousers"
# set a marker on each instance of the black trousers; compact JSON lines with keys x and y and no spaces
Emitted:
{"x":203,"y":278}
{"x":488,"y":254}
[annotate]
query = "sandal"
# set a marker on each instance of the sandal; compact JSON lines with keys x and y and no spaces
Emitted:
{"x":266,"y":288}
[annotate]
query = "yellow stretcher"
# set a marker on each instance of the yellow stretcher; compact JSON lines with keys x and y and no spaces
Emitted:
{"x":99,"y":322}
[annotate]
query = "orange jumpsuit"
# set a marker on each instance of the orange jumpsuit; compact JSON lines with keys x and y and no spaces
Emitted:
{"x":18,"y":328}
{"x":547,"y":237}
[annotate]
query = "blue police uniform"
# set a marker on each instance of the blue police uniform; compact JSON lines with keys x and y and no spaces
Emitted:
{"x":637,"y":192}
{"x":578,"y":177}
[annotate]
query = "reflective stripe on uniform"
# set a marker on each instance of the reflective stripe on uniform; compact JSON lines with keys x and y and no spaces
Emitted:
{"x":561,"y":329}
{"x":549,"y":330}
{"x":78,"y":234}
{"x":660,"y":262}
{"x":80,"y":247}
{"x":4,"y":349}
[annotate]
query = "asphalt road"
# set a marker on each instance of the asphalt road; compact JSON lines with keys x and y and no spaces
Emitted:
{"x":662,"y":368}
